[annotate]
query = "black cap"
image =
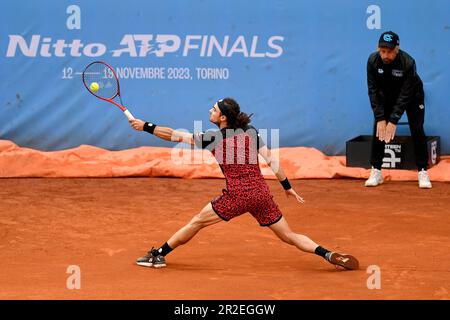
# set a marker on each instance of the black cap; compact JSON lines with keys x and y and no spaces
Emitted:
{"x":389,"y":39}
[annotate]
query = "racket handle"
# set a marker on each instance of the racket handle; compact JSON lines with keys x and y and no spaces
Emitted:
{"x":128,"y":115}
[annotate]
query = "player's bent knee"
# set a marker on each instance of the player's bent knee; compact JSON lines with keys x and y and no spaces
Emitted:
{"x":198,"y":221}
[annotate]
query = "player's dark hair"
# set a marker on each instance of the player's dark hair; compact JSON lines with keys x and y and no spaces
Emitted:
{"x":235,"y":118}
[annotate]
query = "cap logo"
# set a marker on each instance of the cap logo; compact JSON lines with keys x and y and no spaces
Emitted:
{"x":387,"y":37}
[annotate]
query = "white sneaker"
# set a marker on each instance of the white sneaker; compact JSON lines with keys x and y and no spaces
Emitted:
{"x":424,"y":180}
{"x":375,"y":178}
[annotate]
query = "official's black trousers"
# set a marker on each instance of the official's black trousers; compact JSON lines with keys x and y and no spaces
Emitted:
{"x":416,"y":116}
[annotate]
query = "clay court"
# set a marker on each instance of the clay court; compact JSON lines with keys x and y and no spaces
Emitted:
{"x":102,"y":225}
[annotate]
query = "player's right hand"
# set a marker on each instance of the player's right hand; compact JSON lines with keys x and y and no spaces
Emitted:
{"x":137,"y":124}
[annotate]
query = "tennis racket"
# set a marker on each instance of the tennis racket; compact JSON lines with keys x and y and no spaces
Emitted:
{"x":101,"y":80}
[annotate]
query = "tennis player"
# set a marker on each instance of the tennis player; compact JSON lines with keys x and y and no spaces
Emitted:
{"x":235,"y":146}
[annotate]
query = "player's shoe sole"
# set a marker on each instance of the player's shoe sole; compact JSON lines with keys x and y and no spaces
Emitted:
{"x":159,"y":265}
{"x":149,"y":265}
{"x":145,"y":264}
{"x":346,"y":261}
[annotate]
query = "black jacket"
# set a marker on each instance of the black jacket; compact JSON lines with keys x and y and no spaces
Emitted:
{"x":393,"y":87}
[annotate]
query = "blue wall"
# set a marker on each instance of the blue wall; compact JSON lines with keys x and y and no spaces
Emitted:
{"x":305,"y":74}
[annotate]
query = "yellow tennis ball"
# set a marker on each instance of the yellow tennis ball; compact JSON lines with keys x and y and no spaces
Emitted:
{"x":94,"y":86}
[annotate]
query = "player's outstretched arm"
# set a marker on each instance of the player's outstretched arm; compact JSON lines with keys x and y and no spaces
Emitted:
{"x":165,"y":133}
{"x":274,"y":164}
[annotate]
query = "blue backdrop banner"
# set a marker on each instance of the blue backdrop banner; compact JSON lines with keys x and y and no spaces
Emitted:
{"x":299,"y":66}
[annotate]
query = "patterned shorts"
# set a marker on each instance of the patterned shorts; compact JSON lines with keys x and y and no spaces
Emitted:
{"x":260,"y":204}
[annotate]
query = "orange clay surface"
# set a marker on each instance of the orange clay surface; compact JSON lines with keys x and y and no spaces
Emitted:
{"x":103,"y":225}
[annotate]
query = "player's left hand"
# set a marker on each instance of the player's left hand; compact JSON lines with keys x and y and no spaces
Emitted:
{"x":291,"y":193}
{"x":390,"y":132}
{"x":137,"y":124}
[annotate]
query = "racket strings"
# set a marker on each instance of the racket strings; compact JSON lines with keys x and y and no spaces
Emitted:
{"x":104,"y":76}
